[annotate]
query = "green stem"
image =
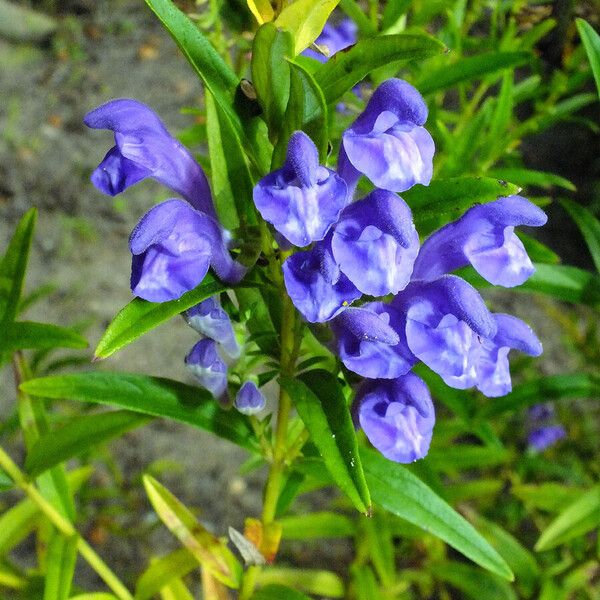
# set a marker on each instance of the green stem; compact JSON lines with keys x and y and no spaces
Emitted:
{"x":64,"y":526}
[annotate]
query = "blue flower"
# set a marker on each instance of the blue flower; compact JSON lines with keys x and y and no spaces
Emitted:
{"x":204,"y":362}
{"x":210,"y":320}
{"x":483,"y":237}
{"x":174,"y":243}
{"x":302,"y":199}
{"x":388,"y":142}
{"x":144,"y":148}
{"x":397,"y":416}
{"x":445,"y":322}
{"x":375,"y":243}
{"x":334,"y":38}
{"x":371,"y":341}
{"x":249,"y":400}
{"x":173,"y":246}
{"x":314,"y":282}
{"x":493,"y":374}
{"x":542,"y":438}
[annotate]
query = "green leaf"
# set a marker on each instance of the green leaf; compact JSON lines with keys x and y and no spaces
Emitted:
{"x":591,"y":43}
{"x":206,"y":61}
{"x":345,"y":69}
{"x":550,"y":497}
{"x":357,"y":14}
{"x":470,"y":68}
{"x":62,"y":554}
{"x":306,"y":111}
{"x":453,"y":196}
{"x":473,"y":582}
{"x":278,"y":592}
{"x":208,"y":550}
{"x":305,"y":20}
{"x":321,"y":404}
{"x":537,"y":251}
{"x":23,"y":335}
{"x":525,"y":177}
{"x":140,"y":316}
{"x":230,"y":174}
{"x":589,"y":226}
{"x":94,"y":596}
{"x":312,"y":581}
{"x":544,"y":389}
{"x":271,"y":50}
{"x":519,"y":559}
{"x":14,"y":264}
{"x":576,"y":520}
{"x":466,"y":456}
{"x":79,"y":435}
{"x":497,"y":134}
{"x":558,"y":281}
{"x":392,"y":15}
{"x":150,"y":396}
{"x":398,"y":491}
{"x":316,"y":525}
{"x":162,"y":571}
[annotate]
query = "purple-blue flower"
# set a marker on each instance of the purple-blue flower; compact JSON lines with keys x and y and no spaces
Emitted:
{"x":314,"y":282}
{"x":249,"y":400}
{"x":388,"y":142}
{"x":144,"y":148}
{"x":493,"y":374}
{"x":397,"y":416}
{"x":174,"y":243}
{"x":375,"y":243}
{"x":371,"y":341}
{"x":483,"y":237}
{"x":302,"y":199}
{"x":210,"y":320}
{"x":173,"y":246}
{"x":204,"y":362}
{"x":334,"y":38}
{"x":446,"y":320}
{"x":542,"y":438}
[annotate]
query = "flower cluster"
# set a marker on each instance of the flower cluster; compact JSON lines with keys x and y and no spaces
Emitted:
{"x":370,"y":247}
{"x":176,"y":242}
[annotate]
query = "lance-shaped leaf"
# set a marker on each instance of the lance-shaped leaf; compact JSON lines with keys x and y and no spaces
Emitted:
{"x":312,"y":581}
{"x":591,"y":43}
{"x":320,"y":403}
{"x":317,"y":525}
{"x":62,"y":554}
{"x":345,"y":69}
{"x":209,"y":551}
{"x":526,"y":177}
{"x":305,"y":20}
{"x":588,"y":225}
{"x":230,"y":174}
{"x":150,"y":396}
{"x":140,"y":316}
{"x":396,"y":489}
{"x":473,"y":583}
{"x":278,"y":592}
{"x":14,"y":264}
{"x":23,"y":335}
{"x":262,"y":10}
{"x":74,"y":438}
{"x":544,"y":389}
{"x":162,"y":571}
{"x":577,"y":519}
{"x":470,"y":68}
{"x":271,"y":49}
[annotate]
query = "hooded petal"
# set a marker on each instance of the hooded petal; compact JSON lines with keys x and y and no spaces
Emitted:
{"x":334,"y":38}
{"x":375,"y":243}
{"x":372,"y":342}
{"x":144,"y":148}
{"x":250,"y":400}
{"x":209,"y":319}
{"x":301,"y":200}
{"x":204,"y":362}
{"x":173,"y":246}
{"x":387,"y":142}
{"x":314,"y":282}
{"x":446,"y":320}
{"x":483,"y":237}
{"x":397,"y":416}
